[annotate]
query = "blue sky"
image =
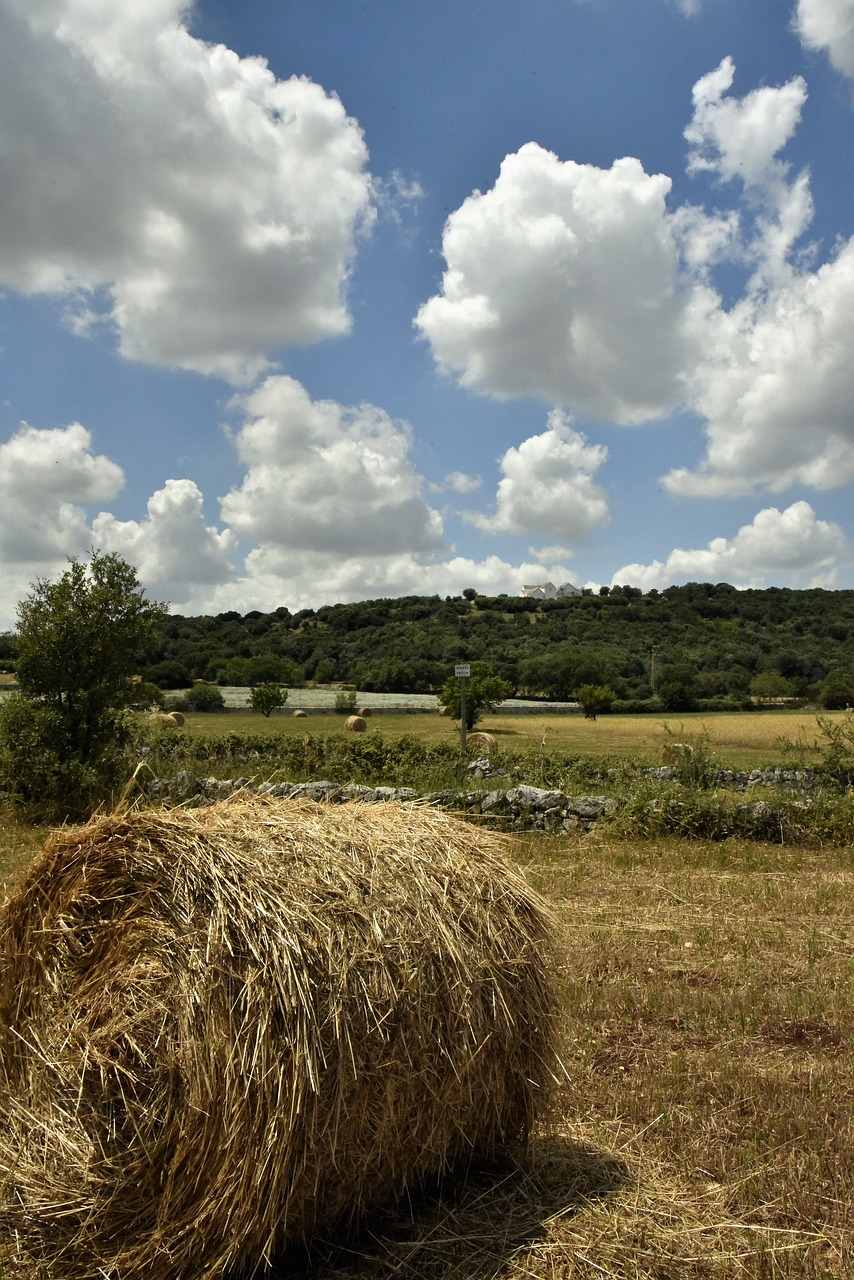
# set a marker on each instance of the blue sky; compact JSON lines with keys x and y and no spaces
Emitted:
{"x":327,"y":300}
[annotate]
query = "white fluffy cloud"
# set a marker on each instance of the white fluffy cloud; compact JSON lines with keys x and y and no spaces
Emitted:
{"x":776,"y":384}
{"x":47,"y":479}
{"x":206,"y":208}
{"x":580,"y":286}
{"x":548,"y":486}
{"x":323,"y":478}
{"x":777,"y":396}
{"x":313,"y":579}
{"x":791,"y":547}
{"x":45,"y":476}
{"x":173,"y":550}
{"x":828,"y":25}
{"x":564,"y":281}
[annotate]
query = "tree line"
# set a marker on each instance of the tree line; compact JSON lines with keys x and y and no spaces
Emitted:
{"x":680,"y":647}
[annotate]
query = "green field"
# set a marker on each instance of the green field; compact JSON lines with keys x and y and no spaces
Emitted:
{"x":740,"y":740}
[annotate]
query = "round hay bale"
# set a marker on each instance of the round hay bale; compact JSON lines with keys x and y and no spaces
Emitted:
{"x":177,"y":718}
{"x":355,"y":724}
{"x":300,"y":715}
{"x":224,"y":1028}
{"x":484,"y":743}
{"x":365,"y":712}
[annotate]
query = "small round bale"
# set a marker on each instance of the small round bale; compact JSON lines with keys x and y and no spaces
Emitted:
{"x":224,"y":1028}
{"x":485,"y":743}
{"x":365,"y":712}
{"x":300,"y":715}
{"x":355,"y":724}
{"x":177,"y":718}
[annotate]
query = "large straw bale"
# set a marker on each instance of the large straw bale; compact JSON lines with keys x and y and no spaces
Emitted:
{"x":355,"y":724}
{"x":224,"y":1028}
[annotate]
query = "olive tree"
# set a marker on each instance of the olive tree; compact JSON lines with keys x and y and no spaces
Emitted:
{"x":79,"y":639}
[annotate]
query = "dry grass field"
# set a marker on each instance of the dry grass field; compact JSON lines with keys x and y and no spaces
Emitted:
{"x":706,"y":1125}
{"x":737,"y":740}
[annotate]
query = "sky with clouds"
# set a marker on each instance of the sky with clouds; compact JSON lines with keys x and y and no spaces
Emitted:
{"x":314,"y":302}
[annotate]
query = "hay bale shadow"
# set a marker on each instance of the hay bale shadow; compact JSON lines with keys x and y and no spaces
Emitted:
{"x":469,"y":1225}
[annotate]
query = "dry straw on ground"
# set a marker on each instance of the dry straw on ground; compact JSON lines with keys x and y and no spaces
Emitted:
{"x":225,"y":1028}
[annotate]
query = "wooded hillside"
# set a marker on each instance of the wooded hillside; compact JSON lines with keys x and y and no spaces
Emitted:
{"x":711,"y":641}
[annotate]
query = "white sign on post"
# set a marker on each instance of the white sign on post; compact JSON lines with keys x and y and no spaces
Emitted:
{"x":462,"y":669}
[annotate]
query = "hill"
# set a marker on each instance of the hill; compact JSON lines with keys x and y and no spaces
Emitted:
{"x":695,"y":642}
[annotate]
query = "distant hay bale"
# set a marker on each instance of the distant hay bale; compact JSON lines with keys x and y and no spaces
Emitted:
{"x":224,"y":1028}
{"x":355,"y":724}
{"x":166,"y":719}
{"x":676,"y":753}
{"x":300,"y":715}
{"x":483,"y":742}
{"x":365,"y":712}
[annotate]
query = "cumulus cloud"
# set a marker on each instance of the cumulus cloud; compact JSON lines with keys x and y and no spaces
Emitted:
{"x":182,"y":194}
{"x":173,"y":550}
{"x":777,"y":396}
{"x":564,"y":281}
{"x":828,"y":25}
{"x":791,"y":547}
{"x":580,"y":285}
{"x":45,"y":476}
{"x":47,"y":479}
{"x":322,"y":477}
{"x":548,"y":486}
{"x":315,"y":579}
{"x":739,"y":139}
{"x":776,"y":384}
{"x":459,"y":482}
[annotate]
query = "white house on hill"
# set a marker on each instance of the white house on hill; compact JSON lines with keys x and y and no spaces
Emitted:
{"x":548,"y":591}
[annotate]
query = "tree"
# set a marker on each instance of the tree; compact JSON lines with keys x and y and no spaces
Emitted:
{"x":267,"y":698}
{"x":484,"y":690}
{"x":79,"y":639}
{"x":676,"y":686}
{"x":204,"y":697}
{"x":595,"y":699}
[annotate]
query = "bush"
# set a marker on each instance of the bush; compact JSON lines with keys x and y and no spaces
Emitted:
{"x":345,"y":702}
{"x":43,"y":769}
{"x":204,"y":697}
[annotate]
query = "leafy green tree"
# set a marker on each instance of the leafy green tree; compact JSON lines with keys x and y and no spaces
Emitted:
{"x":267,"y":698}
{"x":79,"y":641}
{"x":595,"y":699}
{"x":484,"y":691}
{"x":677,"y":686}
{"x":836,"y":693}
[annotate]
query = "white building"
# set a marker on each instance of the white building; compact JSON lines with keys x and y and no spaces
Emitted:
{"x":548,"y":591}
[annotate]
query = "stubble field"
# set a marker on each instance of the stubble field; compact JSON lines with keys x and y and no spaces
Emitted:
{"x":705,"y":1127}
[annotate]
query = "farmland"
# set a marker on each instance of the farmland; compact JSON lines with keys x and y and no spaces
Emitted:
{"x":738,"y":740}
{"x":704,"y":1127}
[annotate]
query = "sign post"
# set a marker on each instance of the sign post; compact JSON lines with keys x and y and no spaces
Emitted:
{"x":462,"y":671}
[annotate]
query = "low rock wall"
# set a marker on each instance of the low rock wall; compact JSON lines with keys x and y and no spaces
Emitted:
{"x":514,"y":808}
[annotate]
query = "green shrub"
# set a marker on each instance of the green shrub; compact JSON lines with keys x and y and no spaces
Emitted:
{"x":204,"y":697}
{"x":345,"y":702}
